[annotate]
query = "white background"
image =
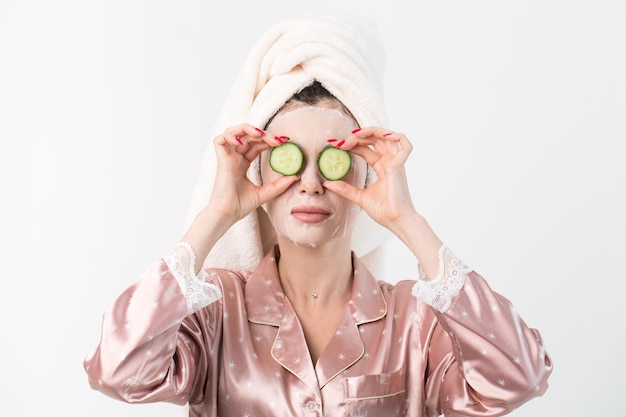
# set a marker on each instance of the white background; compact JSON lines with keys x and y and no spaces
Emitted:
{"x":516,"y":111}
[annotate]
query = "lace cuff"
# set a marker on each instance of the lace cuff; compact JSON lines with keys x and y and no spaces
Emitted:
{"x":197,"y":291}
{"x":438,"y":292}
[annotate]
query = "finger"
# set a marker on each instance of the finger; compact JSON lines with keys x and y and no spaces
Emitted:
{"x":255,"y":135}
{"x":365,"y":136}
{"x":368,"y":154}
{"x":245,"y":129}
{"x":275,"y":188}
{"x":269,"y":141}
{"x":396,"y":145}
{"x":406,"y":147}
{"x":255,"y":150}
{"x":373,"y":154}
{"x":391,"y":148}
{"x":241,"y":135}
{"x":345,"y":190}
{"x":227,"y":138}
{"x":376,"y":132}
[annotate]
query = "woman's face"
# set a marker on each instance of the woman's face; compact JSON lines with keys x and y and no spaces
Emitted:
{"x":307,"y":214}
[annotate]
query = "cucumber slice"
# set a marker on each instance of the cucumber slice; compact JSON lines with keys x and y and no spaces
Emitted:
{"x":287,"y":159}
{"x":334,"y":163}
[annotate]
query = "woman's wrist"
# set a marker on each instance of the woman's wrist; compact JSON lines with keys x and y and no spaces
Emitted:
{"x":417,"y":235}
{"x":207,"y":228}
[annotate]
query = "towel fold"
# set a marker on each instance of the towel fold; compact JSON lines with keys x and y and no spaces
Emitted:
{"x":345,"y":54}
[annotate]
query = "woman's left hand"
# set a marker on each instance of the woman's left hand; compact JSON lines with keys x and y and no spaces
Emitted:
{"x":387,"y":200}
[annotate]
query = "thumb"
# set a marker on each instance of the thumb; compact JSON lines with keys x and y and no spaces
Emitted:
{"x":345,"y":190}
{"x":275,"y":188}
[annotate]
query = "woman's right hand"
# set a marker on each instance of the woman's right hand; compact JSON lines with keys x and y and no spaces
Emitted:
{"x":234,"y":195}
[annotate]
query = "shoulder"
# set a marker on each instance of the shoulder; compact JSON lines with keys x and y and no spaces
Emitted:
{"x":398,"y":295}
{"x":227,"y":279}
{"x":398,"y":289}
{"x":399,"y":298}
{"x":231,"y":284}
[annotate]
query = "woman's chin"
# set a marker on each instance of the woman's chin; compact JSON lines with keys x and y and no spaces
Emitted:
{"x":311,"y":239}
{"x":304,"y":243}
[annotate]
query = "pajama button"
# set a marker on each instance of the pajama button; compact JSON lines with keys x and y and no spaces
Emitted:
{"x":311,"y":406}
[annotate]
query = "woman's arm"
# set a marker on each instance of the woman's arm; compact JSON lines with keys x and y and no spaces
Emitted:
{"x":233,"y":196}
{"x":483,"y":359}
{"x":388,"y":200}
{"x":148,"y":350}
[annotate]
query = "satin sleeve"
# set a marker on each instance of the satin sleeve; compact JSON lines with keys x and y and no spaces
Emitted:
{"x":483,"y":360}
{"x":151,"y":348}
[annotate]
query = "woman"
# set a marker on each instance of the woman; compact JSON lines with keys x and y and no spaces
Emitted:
{"x":310,"y":330}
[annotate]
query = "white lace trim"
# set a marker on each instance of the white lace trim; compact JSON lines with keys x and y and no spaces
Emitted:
{"x":439,"y":292}
{"x":197,"y":291}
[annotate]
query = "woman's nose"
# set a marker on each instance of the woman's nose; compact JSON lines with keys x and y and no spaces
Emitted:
{"x":311,"y":181}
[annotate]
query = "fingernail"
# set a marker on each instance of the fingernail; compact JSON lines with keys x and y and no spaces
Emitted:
{"x":279,"y":139}
{"x":259,"y":130}
{"x":284,"y":137}
{"x":331,"y":140}
{"x":356,"y":130}
{"x":388,"y":134}
{"x":340,"y":143}
{"x":238,"y":140}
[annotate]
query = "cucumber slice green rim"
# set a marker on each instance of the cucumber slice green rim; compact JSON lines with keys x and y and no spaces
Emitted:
{"x":287,"y":159}
{"x":334,"y":163}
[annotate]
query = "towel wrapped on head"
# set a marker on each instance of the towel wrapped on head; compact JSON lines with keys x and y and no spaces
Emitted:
{"x":345,"y":54}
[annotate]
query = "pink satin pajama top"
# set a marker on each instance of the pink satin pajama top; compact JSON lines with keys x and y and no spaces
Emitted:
{"x":244,"y":354}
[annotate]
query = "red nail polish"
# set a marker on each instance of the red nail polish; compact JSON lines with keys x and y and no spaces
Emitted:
{"x":259,"y":130}
{"x":279,"y":139}
{"x":284,"y":137}
{"x":356,"y":130}
{"x":331,"y":140}
{"x":340,"y":143}
{"x":238,"y":140}
{"x":388,"y":134}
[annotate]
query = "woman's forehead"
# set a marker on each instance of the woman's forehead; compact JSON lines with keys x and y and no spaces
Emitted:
{"x":312,"y":120}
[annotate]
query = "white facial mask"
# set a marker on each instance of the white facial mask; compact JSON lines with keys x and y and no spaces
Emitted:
{"x":307,"y":214}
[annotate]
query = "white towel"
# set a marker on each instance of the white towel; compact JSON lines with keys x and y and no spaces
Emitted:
{"x":346,"y":55}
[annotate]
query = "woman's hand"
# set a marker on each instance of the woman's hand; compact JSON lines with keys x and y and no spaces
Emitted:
{"x":234,"y":195}
{"x":388,"y":200}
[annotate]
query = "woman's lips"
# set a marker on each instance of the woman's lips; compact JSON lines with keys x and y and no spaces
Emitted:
{"x":309,"y":214}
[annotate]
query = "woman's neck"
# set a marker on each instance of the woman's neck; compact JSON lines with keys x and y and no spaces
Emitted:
{"x":316,"y":276}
